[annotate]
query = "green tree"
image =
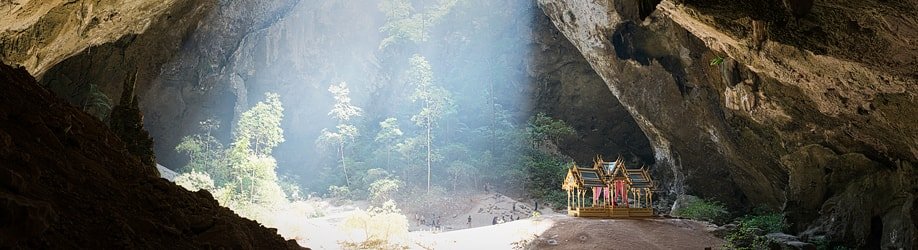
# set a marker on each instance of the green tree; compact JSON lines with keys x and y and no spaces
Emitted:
{"x":410,"y":149}
{"x":252,"y":186}
{"x":543,"y":128}
{"x":389,"y":133}
{"x":383,"y":189}
{"x":403,"y":23}
{"x":261,"y":125}
{"x":435,"y":101}
{"x":245,"y":176}
{"x":206,"y":153}
{"x":343,"y":111}
{"x":460,"y":172}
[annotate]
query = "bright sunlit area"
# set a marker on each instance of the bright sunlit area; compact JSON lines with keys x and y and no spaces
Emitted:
{"x":403,"y":124}
{"x":398,"y":124}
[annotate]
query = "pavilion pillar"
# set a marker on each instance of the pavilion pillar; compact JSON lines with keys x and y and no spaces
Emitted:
{"x":649,"y":198}
{"x":613,"y":193}
{"x":637,"y":198}
{"x":625,"y":190}
{"x":568,"y":199}
{"x":578,"y":198}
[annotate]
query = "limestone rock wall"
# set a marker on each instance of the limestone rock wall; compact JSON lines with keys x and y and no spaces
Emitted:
{"x":69,"y":182}
{"x":38,"y":34}
{"x":812,"y":110}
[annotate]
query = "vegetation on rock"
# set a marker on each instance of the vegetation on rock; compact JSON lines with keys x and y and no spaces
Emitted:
{"x":704,"y":210}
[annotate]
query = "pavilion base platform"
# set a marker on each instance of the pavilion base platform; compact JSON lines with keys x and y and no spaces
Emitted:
{"x":610,"y":212}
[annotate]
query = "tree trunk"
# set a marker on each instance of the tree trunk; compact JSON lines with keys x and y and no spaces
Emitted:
{"x":256,"y":145}
{"x":428,"y":154}
{"x":252,"y":188}
{"x":347,"y":180}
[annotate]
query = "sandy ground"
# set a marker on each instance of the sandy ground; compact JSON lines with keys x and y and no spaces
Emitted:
{"x":502,"y":236}
{"x":580,"y":233}
{"x":563,"y":232}
{"x":549,"y":231}
{"x":483,"y":209}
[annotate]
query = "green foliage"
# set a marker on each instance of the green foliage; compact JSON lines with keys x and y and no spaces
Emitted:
{"x":718,"y":60}
{"x":339,"y":192}
{"x":751,"y":230}
{"x":343,"y":134}
{"x":96,"y":103}
{"x":207,"y":155}
{"x":389,"y":132}
{"x":258,"y":179}
{"x":383,"y":190}
{"x":435,"y":102}
{"x":544,"y":174}
{"x":404,"y":24}
{"x":343,"y":111}
{"x":195,"y":181}
{"x":260,"y":125}
{"x":381,"y":226}
{"x":396,"y":9}
{"x":544,"y":128}
{"x":771,"y":222}
{"x":823,"y":244}
{"x":461,"y":172}
{"x":411,"y":149}
{"x":290,"y":187}
{"x":245,"y":177}
{"x":706,"y":210}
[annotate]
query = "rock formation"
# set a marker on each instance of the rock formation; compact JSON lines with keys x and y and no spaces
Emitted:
{"x":68,"y":182}
{"x":812,"y":111}
{"x":127,"y":123}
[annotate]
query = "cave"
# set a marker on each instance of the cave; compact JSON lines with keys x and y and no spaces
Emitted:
{"x":261,"y":124}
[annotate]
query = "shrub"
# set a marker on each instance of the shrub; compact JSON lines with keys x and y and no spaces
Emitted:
{"x":751,"y":230}
{"x":383,"y":190}
{"x":706,"y":210}
{"x":823,"y":244}
{"x":195,"y":181}
{"x":383,"y":227}
{"x":339,"y":192}
{"x":291,"y":188}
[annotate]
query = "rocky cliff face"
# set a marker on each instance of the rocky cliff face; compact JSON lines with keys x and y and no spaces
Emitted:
{"x":41,"y":34}
{"x":67,"y":181}
{"x":812,"y":110}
